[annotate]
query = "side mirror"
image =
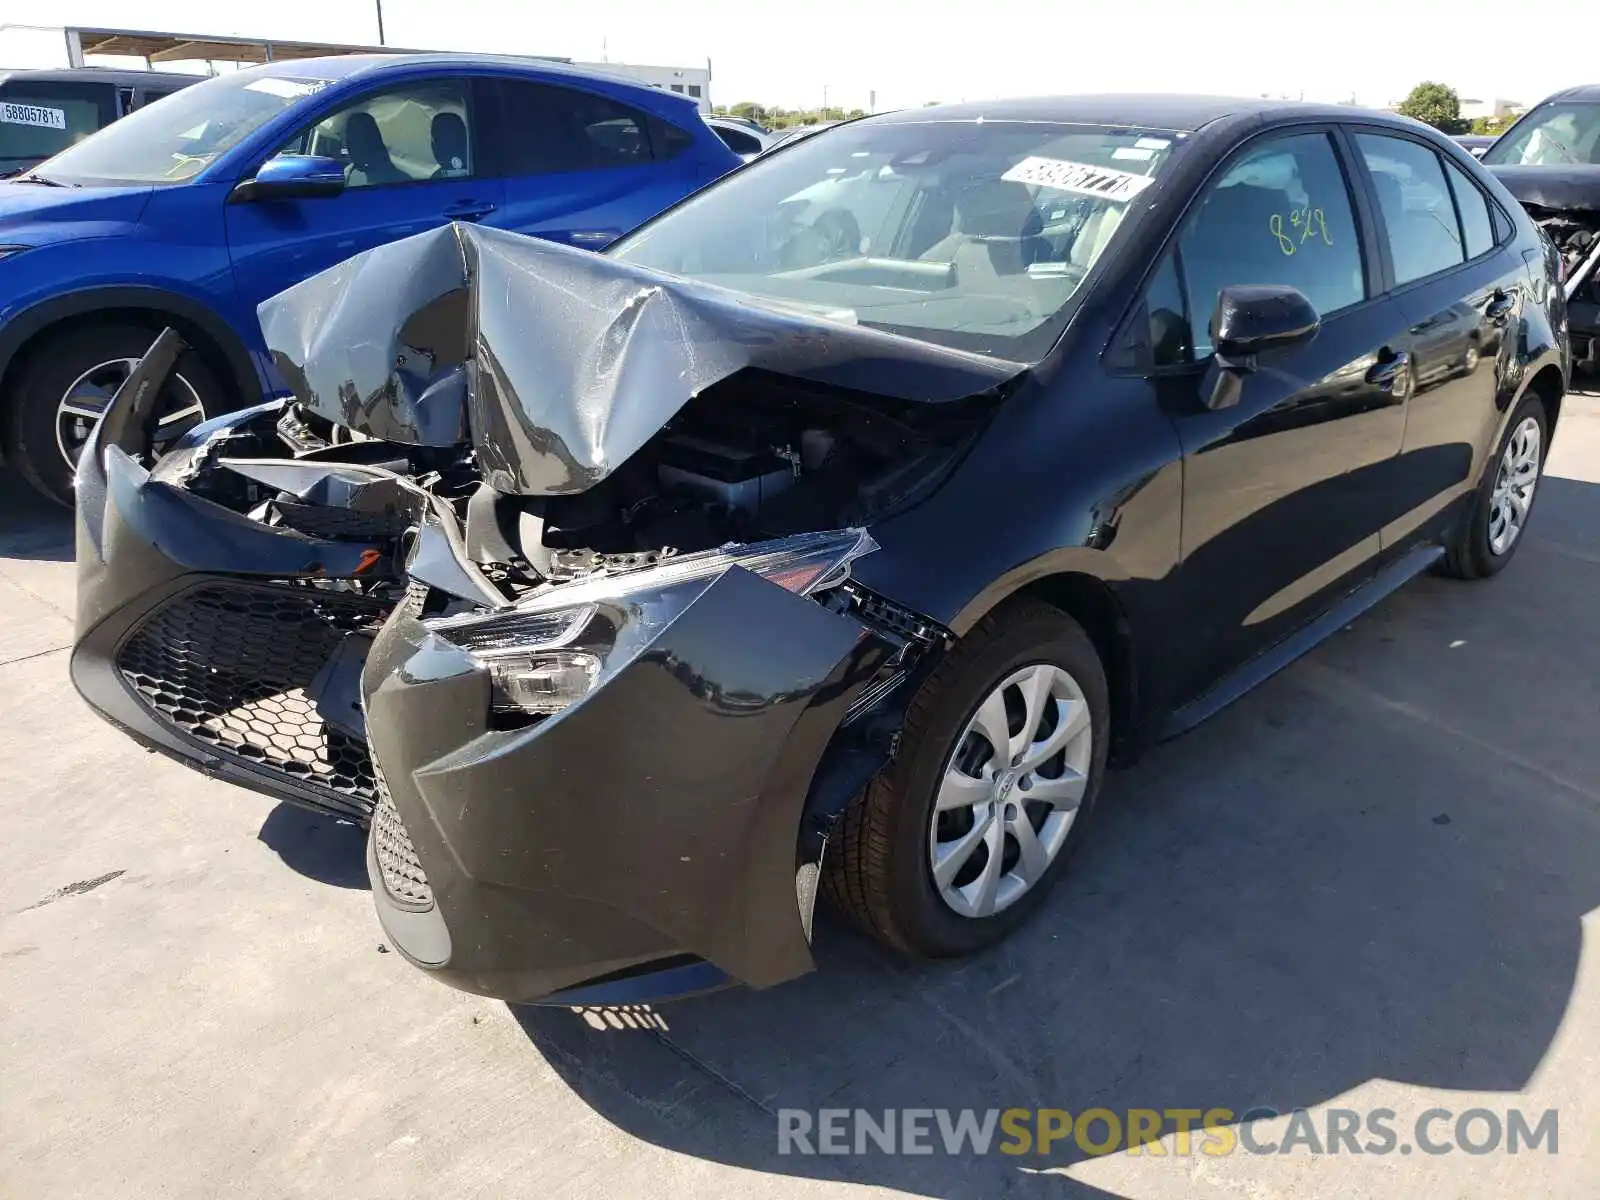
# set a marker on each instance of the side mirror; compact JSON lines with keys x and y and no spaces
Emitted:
{"x":1251,"y":320}
{"x":292,"y":177}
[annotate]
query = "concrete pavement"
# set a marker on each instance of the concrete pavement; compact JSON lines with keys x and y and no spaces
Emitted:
{"x":1371,"y":883}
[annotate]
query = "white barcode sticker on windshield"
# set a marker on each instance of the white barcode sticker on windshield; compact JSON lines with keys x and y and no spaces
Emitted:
{"x":1105,"y":182}
{"x":285,"y":87}
{"x":36,"y":115}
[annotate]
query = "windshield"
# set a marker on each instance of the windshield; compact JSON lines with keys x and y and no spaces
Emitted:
{"x":178,"y":138}
{"x":1558,"y":134}
{"x":970,"y":234}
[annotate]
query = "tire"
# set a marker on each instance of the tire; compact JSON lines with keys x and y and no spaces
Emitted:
{"x":879,"y":869}
{"x":1470,"y":551}
{"x":34,"y":437}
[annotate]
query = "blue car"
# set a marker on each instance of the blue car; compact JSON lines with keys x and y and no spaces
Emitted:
{"x":192,"y":211}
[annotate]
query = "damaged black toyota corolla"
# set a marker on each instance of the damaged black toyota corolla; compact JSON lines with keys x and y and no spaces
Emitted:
{"x":832,"y":532}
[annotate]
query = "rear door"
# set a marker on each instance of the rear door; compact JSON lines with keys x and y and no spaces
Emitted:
{"x":1284,"y":491}
{"x":1460,"y":293}
{"x":579,"y":167}
{"x":412,"y":162}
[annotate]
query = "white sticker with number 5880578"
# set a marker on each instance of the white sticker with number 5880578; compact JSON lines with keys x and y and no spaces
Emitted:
{"x":1105,"y":182}
{"x":36,"y":115}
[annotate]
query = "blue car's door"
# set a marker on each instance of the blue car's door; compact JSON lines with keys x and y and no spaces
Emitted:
{"x":579,"y":167}
{"x":412,"y":162}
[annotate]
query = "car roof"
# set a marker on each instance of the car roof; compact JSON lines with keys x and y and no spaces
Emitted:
{"x":344,"y":66}
{"x":1178,"y":113}
{"x":1584,"y":91}
{"x":98,"y":75}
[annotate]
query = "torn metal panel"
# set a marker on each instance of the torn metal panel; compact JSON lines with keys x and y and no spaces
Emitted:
{"x":560,"y":363}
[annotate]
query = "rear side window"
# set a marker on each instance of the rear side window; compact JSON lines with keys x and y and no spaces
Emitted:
{"x":738,"y":142}
{"x":1419,"y":215}
{"x":1279,"y":215}
{"x":1477,"y":230}
{"x":38,"y":120}
{"x":546,"y":129}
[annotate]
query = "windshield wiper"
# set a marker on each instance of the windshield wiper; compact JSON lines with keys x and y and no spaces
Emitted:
{"x":43,"y":181}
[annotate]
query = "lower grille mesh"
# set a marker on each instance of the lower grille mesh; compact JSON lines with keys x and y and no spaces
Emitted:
{"x":403,"y":877}
{"x":228,"y":664}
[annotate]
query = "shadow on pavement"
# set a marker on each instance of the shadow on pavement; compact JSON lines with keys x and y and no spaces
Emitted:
{"x":319,"y":847}
{"x":1372,"y":867}
{"x":31,"y":526}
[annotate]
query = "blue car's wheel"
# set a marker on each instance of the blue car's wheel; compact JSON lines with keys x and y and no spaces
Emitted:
{"x":64,"y":385}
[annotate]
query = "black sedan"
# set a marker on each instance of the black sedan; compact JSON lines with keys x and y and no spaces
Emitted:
{"x":833,"y":532}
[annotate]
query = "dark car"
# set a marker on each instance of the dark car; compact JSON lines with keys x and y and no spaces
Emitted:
{"x":44,"y":112}
{"x":834,"y":531}
{"x":1474,"y":143}
{"x":1550,"y":161}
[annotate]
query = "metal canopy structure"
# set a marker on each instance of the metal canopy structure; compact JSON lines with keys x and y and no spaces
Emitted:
{"x":156,"y":47}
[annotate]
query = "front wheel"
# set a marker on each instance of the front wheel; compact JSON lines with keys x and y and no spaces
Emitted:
{"x":65,"y":385}
{"x":1000,"y":761}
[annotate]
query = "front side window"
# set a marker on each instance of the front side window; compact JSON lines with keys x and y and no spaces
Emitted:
{"x":551,"y":129}
{"x":405,"y":134}
{"x":1419,"y":215}
{"x":976,"y":235}
{"x":1281,"y":214}
{"x":41,"y":119}
{"x":1552,"y":135}
{"x":175,"y":140}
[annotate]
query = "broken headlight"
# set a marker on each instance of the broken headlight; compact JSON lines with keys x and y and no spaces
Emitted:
{"x":556,"y":645}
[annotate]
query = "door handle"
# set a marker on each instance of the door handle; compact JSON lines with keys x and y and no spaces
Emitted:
{"x":593,"y":239}
{"x":1391,"y":365}
{"x":469,"y":210}
{"x":1500,"y":305}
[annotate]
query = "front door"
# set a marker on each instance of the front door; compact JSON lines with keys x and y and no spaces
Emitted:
{"x":410,"y":161}
{"x":1283,"y":490}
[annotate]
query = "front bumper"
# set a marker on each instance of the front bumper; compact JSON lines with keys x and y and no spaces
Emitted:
{"x":652,"y":826}
{"x":205,"y":636}
{"x":644,"y":842}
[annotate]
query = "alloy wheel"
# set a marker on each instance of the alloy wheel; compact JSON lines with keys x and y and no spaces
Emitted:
{"x":1514,"y":485}
{"x":178,"y":409}
{"x":1010,"y":790}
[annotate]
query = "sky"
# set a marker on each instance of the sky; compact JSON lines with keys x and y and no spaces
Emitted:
{"x":900,"y":53}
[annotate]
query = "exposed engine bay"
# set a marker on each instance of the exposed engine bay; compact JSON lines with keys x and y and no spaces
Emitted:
{"x":1576,"y":235}
{"x":751,"y":459}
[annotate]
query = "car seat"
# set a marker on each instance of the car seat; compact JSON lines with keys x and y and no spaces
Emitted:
{"x":448,"y":135}
{"x":370,"y":163}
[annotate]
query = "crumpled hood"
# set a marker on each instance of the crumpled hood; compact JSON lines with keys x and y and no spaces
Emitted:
{"x":557,"y":363}
{"x":1573,"y":188}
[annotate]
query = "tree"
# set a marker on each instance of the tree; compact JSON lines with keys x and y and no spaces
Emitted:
{"x":1437,"y":105}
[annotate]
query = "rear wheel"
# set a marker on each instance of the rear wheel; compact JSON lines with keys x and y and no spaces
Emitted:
{"x":1000,"y":761}
{"x":1492,"y":528}
{"x":65,"y":385}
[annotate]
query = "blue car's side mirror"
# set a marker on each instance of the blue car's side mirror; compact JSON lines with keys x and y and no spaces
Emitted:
{"x":292,"y":177}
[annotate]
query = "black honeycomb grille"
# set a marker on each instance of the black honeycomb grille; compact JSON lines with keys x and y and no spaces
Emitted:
{"x":228,"y":664}
{"x":403,"y":876}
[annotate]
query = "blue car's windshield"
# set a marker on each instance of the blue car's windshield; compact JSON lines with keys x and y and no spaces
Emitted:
{"x":971,"y":234}
{"x":178,"y":137}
